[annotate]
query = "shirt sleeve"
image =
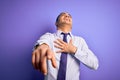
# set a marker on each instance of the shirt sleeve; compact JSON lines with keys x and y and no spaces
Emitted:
{"x":85,"y":55}
{"x":43,"y":39}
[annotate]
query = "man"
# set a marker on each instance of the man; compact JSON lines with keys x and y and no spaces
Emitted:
{"x":58,"y":55}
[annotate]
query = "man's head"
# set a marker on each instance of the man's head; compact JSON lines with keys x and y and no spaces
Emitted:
{"x":64,"y":19}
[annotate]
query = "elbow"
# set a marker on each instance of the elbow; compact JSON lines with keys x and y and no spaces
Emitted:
{"x":96,"y":65}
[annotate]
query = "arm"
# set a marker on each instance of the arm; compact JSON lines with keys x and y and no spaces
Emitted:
{"x":81,"y":52}
{"x":86,"y":56}
{"x":41,"y":53}
{"x":44,"y":39}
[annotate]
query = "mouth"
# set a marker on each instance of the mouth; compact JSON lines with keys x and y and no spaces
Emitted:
{"x":67,"y":19}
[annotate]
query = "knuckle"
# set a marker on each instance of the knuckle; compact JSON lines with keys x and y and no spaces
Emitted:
{"x":43,"y":50}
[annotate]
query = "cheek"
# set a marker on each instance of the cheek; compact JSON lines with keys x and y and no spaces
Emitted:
{"x":62,"y":17}
{"x":71,"y":20}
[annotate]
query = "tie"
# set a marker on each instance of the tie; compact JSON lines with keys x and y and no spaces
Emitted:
{"x":63,"y":61}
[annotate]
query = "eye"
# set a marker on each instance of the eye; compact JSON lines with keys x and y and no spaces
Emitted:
{"x":67,"y":16}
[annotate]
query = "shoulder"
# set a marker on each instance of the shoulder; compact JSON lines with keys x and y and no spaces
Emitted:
{"x":47,"y":34}
{"x":78,"y":38}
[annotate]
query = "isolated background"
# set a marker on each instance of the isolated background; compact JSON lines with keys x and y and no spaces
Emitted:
{"x":22,"y":22}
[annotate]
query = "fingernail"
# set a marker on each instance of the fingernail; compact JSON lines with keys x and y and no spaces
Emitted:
{"x":49,"y":56}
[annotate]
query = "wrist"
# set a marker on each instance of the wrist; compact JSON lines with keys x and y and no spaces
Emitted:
{"x":43,"y":45}
{"x":75,"y":49}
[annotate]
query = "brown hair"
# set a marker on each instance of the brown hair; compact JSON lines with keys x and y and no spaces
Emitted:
{"x":57,"y":19}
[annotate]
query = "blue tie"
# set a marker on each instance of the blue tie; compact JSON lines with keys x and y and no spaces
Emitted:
{"x":63,"y":61}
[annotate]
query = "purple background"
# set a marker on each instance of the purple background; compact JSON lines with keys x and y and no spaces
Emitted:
{"x":23,"y":22}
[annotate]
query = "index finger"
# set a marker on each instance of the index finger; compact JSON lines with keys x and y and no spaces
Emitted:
{"x":61,"y":41}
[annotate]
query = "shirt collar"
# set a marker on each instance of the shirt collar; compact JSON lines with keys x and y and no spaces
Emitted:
{"x":59,"y":33}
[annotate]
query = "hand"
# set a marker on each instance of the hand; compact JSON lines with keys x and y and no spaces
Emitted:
{"x":65,"y":47}
{"x":40,"y":56}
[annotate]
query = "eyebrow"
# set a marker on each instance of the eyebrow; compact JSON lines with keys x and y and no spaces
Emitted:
{"x":65,"y":13}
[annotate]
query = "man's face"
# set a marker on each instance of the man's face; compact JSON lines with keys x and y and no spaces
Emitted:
{"x":65,"y":18}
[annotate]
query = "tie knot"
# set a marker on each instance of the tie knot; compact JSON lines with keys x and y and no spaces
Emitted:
{"x":65,"y":34}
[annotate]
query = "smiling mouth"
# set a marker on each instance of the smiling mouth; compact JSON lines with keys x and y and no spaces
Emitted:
{"x":67,"y":19}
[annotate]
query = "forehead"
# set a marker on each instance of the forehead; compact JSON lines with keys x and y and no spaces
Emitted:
{"x":64,"y":13}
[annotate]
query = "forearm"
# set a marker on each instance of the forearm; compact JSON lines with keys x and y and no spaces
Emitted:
{"x":87,"y":57}
{"x":44,"y":39}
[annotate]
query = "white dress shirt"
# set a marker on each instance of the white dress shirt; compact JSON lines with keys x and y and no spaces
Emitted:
{"x":83,"y":54}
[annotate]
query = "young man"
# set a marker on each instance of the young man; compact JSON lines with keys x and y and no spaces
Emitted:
{"x":63,"y":52}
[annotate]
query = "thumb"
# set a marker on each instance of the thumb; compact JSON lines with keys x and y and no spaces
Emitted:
{"x":51,"y":56}
{"x":53,"y":60}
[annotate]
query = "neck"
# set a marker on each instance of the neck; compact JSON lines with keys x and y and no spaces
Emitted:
{"x":64,"y":28}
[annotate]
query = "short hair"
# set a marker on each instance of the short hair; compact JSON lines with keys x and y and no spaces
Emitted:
{"x":60,"y":15}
